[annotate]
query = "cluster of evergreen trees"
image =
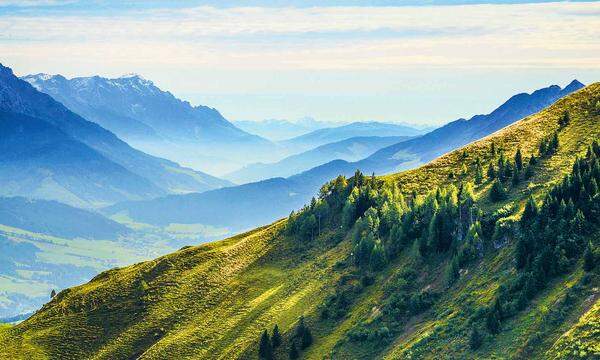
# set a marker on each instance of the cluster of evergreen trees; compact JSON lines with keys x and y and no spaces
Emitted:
{"x":268,"y":344}
{"x":302,"y":339}
{"x":551,"y":237}
{"x":381,"y":222}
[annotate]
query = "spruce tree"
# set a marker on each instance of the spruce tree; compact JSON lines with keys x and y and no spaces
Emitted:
{"x":306,"y":339}
{"x":474,"y":338}
{"x":265,"y":350}
{"x":529,"y":172}
{"x":516,"y":177}
{"x":498,"y":192}
{"x":276,"y":337}
{"x":589,"y":261}
{"x":377,"y":259}
{"x":303,"y":333}
{"x":554,"y":143}
{"x":478,"y":172}
{"x":519,"y":160}
{"x":491,"y":172}
{"x":492,"y":322}
{"x":294,"y":352}
{"x":530,"y":212}
{"x":564,"y":120}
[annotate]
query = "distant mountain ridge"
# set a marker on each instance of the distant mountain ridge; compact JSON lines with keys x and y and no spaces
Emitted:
{"x":154,"y":120}
{"x":133,"y":100}
{"x":56,"y":154}
{"x":333,"y":134}
{"x":352,"y":149}
{"x":281,"y":129}
{"x":54,"y":218}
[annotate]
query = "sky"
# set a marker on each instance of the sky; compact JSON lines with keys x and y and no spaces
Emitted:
{"x":420,"y":62}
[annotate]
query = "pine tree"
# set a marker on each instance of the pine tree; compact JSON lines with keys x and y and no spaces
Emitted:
{"x":478,"y":172}
{"x":532,"y":160}
{"x":453,"y":271}
{"x":530,"y":212}
{"x":589,"y":261}
{"x":516,"y":177}
{"x":276,"y":337}
{"x":554,"y":143}
{"x":474,"y":338}
{"x":265,"y":350}
{"x":492,"y":322}
{"x":52,"y":293}
{"x":303,"y":333}
{"x":377,"y":260}
{"x":519,"y":160}
{"x":294,"y":352}
{"x":498,"y":192}
{"x":529,"y":172}
{"x":491,"y":172}
{"x":564,"y":120}
{"x":307,"y":339}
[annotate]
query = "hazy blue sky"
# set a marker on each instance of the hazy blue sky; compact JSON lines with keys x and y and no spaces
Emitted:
{"x":412,"y":61}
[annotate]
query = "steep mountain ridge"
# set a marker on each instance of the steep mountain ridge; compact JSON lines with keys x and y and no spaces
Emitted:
{"x":18,"y":98}
{"x":154,"y":120}
{"x":215,"y":300}
{"x":113,"y":103}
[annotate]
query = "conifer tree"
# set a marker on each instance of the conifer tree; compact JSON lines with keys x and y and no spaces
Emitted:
{"x":492,"y":321}
{"x":306,"y":339}
{"x":453,"y":271}
{"x":294,"y":352}
{"x":519,"y":160}
{"x":564,"y":120}
{"x":265,"y":350}
{"x":589,"y":261}
{"x":554,"y":143}
{"x":478,"y":172}
{"x":491,"y":172}
{"x":529,"y":172}
{"x":377,"y":260}
{"x":530,"y":212}
{"x":532,"y":160}
{"x":474,"y":338}
{"x":276,"y":337}
{"x":516,"y":177}
{"x":498,"y":192}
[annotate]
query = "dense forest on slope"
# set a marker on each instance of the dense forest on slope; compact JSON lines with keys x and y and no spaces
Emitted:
{"x":487,"y":252}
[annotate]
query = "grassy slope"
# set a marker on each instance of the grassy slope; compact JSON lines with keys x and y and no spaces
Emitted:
{"x":213,"y":301}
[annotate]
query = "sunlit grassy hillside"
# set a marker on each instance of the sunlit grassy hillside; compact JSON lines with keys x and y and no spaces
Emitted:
{"x":214,"y":301}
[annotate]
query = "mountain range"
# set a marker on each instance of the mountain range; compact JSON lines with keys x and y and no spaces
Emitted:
{"x":50,"y":152}
{"x":280,"y":129}
{"x":278,"y":197}
{"x":352,"y":149}
{"x":155,"y":121}
{"x":334,"y":134}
